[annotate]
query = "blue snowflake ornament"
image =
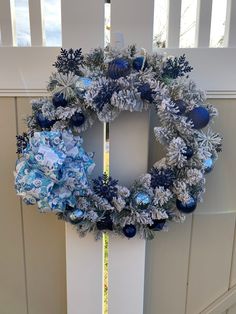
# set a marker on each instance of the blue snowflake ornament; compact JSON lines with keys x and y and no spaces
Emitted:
{"x":70,"y":61}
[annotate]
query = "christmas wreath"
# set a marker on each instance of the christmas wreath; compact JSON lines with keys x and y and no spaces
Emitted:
{"x":54,"y":171}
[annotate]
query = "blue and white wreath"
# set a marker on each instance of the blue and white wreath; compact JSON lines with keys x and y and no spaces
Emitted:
{"x":54,"y":171}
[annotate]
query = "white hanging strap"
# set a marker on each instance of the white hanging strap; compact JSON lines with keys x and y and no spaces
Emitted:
{"x":144,"y":54}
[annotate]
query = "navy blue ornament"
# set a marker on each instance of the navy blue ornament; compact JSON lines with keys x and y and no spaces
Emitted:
{"x":157,"y":225}
{"x":208,"y":165}
{"x":76,"y":216}
{"x":146,"y":92}
{"x":188,"y":152}
{"x":138,"y":63}
{"x":141,"y":200}
{"x":180,"y":105}
{"x":199,"y":117}
{"x":119,"y":67}
{"x":187,"y":207}
{"x":105,"y":223}
{"x":77,"y":119}
{"x":43,"y":122}
{"x":58,"y":100}
{"x":129,"y":231}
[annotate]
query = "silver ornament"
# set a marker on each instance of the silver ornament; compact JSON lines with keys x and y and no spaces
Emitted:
{"x":76,"y":216}
{"x":208,"y":165}
{"x":141,"y":200}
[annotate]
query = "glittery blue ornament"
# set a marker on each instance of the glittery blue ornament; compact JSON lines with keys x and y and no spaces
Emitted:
{"x":85,"y":82}
{"x":43,"y":122}
{"x":77,"y":119}
{"x":58,"y":100}
{"x":141,"y":200}
{"x":76,"y":216}
{"x":119,"y":67}
{"x":199,"y":117}
{"x":157,"y":225}
{"x":129,"y":231}
{"x":187,"y":207}
{"x":82,"y":85}
{"x":188,"y":152}
{"x":105,"y":223}
{"x":180,"y":105}
{"x":208,"y":165}
{"x":138,"y":63}
{"x":146,"y":92}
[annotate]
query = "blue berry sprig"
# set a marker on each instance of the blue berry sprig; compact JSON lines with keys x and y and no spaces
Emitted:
{"x":21,"y":142}
{"x":176,"y":67}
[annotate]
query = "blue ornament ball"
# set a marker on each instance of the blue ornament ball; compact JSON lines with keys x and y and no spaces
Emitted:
{"x":157,"y":225}
{"x":43,"y":122}
{"x":85,"y":82}
{"x":188,"y":152}
{"x":119,"y":67}
{"x":77,"y":119}
{"x":141,"y":200}
{"x":208,"y":165}
{"x":105,"y":223}
{"x":138,"y":63}
{"x":200,"y":117}
{"x":82,"y":85}
{"x":58,"y":100}
{"x":180,"y":105}
{"x":129,"y":231}
{"x":76,"y":216}
{"x":146,"y":92}
{"x":187,"y":207}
